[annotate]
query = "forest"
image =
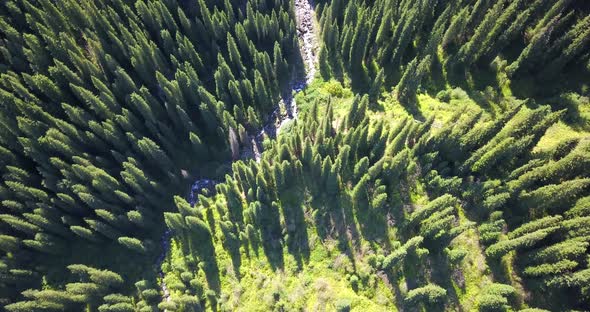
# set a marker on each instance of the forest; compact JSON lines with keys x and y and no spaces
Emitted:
{"x":274,"y":155}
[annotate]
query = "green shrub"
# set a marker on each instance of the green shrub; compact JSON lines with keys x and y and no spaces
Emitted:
{"x":444,"y":96}
{"x":168,"y":306}
{"x":343,"y":305}
{"x":491,"y":303}
{"x":455,"y":255}
{"x":430,"y":293}
{"x":458,"y":94}
{"x":335,"y":89}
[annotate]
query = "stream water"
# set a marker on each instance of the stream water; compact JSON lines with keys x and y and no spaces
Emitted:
{"x":305,"y":17}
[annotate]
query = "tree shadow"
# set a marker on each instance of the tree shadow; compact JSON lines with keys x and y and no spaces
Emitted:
{"x":532,"y":84}
{"x":553,"y":300}
{"x":271,"y":236}
{"x":436,"y":81}
{"x":473,"y":82}
{"x":414,"y":271}
{"x":201,"y":245}
{"x":388,"y":278}
{"x":292,"y":201}
{"x":417,"y":274}
{"x":373,"y":225}
{"x":499,"y":271}
{"x":345,"y":228}
{"x":321,"y":220}
{"x":273,"y":249}
{"x":360,"y":84}
{"x":330,"y":66}
{"x":231,"y":243}
{"x":334,"y":220}
{"x":573,"y":116}
{"x":411,"y":271}
{"x":294,"y":57}
{"x":211,"y":219}
{"x":410,"y":105}
{"x":442,"y":275}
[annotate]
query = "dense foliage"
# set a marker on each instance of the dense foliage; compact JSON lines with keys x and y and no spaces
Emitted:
{"x":106,"y":105}
{"x":110,"y":109}
{"x":541,"y":45}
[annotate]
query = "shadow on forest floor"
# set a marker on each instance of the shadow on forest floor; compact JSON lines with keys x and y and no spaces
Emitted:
{"x":292,"y":205}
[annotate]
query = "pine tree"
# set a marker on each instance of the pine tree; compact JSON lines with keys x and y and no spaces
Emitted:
{"x":501,"y":248}
{"x":554,"y":197}
{"x":133,"y":244}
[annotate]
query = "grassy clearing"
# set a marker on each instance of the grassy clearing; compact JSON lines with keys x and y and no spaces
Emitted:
{"x":319,"y":285}
{"x":475,"y":272}
{"x":557,"y":133}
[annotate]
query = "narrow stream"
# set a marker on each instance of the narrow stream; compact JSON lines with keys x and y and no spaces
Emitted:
{"x":305,"y":17}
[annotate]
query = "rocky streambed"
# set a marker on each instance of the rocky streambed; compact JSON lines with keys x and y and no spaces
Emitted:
{"x":305,"y":16}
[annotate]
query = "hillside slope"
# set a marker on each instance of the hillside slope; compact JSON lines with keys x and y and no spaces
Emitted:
{"x":329,"y":155}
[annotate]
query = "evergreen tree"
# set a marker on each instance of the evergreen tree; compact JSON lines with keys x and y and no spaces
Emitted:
{"x":133,"y":244}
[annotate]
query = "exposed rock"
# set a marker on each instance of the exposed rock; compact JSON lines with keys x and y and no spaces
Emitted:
{"x":305,"y":16}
